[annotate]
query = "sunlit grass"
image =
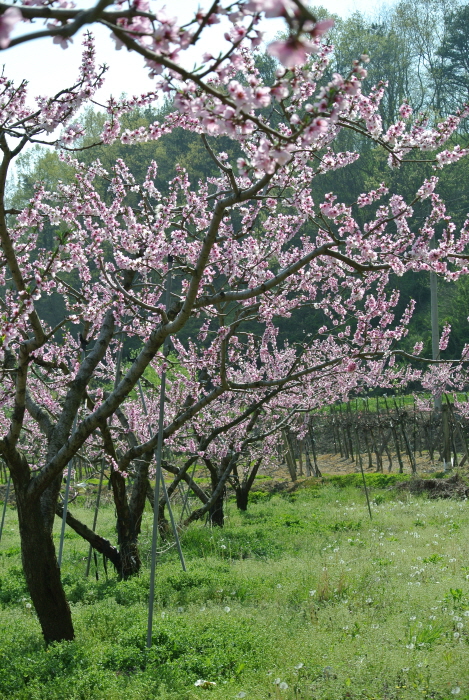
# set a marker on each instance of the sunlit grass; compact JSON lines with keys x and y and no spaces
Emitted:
{"x":301,"y":597}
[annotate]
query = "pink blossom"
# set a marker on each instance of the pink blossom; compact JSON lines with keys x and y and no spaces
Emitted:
{"x":322,"y":27}
{"x":62,"y":41}
{"x":443,"y":344}
{"x":405,"y":110}
{"x":7,"y":22}
{"x":292,"y":52}
{"x":271,"y":8}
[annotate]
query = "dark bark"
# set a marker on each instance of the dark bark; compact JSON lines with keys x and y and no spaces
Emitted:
{"x":100,"y":544}
{"x":42,"y":572}
{"x":40,"y":565}
{"x":127,"y":538}
{"x":216,"y":511}
{"x":242,"y":489}
{"x":242,"y":498}
{"x":216,"y":493}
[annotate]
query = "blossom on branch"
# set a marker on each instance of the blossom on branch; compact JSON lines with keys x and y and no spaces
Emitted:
{"x":8,"y":20}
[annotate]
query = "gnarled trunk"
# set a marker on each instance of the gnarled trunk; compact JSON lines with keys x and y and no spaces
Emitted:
{"x":242,"y":497}
{"x":42,"y":572}
{"x":216,"y":513}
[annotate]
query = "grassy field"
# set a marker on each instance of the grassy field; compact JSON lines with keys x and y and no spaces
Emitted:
{"x":301,"y":597}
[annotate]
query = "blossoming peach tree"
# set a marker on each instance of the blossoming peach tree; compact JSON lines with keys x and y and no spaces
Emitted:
{"x":242,"y":248}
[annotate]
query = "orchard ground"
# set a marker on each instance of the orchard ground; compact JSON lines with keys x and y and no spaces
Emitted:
{"x":301,"y":597}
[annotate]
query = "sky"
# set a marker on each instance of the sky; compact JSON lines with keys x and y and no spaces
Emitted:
{"x":49,"y":68}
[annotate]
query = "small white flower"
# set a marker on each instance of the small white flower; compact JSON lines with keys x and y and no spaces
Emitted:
{"x":180,"y":610}
{"x":28,"y":606}
{"x":241,"y":694}
{"x":456,"y":691}
{"x":204,"y":684}
{"x":456,"y":635}
{"x":311,"y":593}
{"x":283,"y":686}
{"x":279,"y":585}
{"x":203,"y":608}
{"x":223,"y":546}
{"x":298,"y":666}
{"x":410,"y":646}
{"x":227,"y":609}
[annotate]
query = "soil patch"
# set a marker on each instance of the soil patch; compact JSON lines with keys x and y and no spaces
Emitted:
{"x":454,"y":487}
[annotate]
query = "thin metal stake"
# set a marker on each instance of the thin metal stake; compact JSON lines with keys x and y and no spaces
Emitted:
{"x":5,"y":503}
{"x":366,"y":489}
{"x":437,"y":403}
{"x":159,"y":447}
{"x":186,"y":498}
{"x":101,"y":476}
{"x":95,"y":517}
{"x":67,"y":490}
{"x":163,"y":485}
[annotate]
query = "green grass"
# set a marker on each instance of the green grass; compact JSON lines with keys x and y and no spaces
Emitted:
{"x":374,"y":403}
{"x":302,"y":589}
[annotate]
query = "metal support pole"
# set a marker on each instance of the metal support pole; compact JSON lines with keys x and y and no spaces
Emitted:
{"x":95,"y":517}
{"x":159,"y":448}
{"x":67,"y":491}
{"x":65,"y":508}
{"x":188,"y":491}
{"x":5,"y":503}
{"x":434,"y":318}
{"x":163,"y":486}
{"x":101,"y":476}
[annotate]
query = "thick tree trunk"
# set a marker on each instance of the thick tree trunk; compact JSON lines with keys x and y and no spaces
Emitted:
{"x":242,"y":497}
{"x":42,"y":573}
{"x":217,"y":514}
{"x":243,"y":489}
{"x":127,"y":536}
